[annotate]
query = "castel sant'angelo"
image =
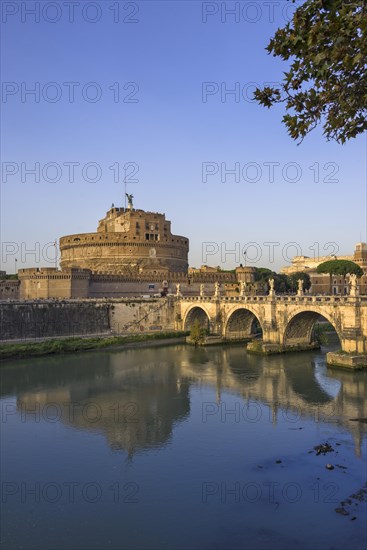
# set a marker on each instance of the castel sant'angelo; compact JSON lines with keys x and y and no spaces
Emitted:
{"x":132,"y":253}
{"x":130,"y":241}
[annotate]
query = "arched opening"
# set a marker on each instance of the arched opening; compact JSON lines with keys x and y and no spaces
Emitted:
{"x":243,"y":324}
{"x":199,"y":315}
{"x":309,"y":327}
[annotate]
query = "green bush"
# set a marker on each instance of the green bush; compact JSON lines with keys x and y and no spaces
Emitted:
{"x":197,"y":333}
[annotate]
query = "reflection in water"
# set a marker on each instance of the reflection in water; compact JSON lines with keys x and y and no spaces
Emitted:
{"x":301,"y":377}
{"x":329,"y":385}
{"x":184,"y":420}
{"x":136,"y":397}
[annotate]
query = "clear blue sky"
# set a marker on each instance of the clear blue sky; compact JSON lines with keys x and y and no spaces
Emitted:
{"x":168,"y":132}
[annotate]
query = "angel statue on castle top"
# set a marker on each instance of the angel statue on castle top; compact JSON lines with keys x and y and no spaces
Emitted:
{"x":129,"y":200}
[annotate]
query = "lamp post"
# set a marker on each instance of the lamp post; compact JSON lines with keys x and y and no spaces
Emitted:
{"x":15,"y":265}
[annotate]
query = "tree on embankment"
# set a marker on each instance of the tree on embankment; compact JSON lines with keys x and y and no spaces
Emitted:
{"x":294,"y":278}
{"x":341,"y":268}
{"x":197,"y":333}
{"x":281,"y":282}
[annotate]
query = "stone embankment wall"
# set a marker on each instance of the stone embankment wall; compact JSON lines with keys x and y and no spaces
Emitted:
{"x":36,"y":319}
{"x":20,"y":320}
{"x":142,"y":315}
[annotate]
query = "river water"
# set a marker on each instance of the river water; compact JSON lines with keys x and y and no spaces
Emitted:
{"x":182,"y":448}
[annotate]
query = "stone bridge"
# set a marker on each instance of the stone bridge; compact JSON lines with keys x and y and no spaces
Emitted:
{"x":285,"y":322}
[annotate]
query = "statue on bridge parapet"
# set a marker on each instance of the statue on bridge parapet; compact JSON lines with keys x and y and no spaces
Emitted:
{"x":300,"y":287}
{"x":243,"y":289}
{"x":353,"y":290}
{"x":271,"y":287}
{"x":202,"y":293}
{"x":178,"y":290}
{"x":216,"y":290}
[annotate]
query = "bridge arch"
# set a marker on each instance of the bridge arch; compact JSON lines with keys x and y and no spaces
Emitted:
{"x":300,"y":325}
{"x":242,"y":323}
{"x":196,"y":313}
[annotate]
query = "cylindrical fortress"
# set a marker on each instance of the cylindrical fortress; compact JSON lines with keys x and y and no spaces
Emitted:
{"x":127,"y":240}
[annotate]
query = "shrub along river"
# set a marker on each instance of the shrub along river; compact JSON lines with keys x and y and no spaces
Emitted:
{"x":182,"y":448}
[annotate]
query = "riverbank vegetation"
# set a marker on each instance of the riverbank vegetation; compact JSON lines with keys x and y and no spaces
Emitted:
{"x":198,"y":333}
{"x":72,"y":345}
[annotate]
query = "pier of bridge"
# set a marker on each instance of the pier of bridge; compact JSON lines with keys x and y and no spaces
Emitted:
{"x":278,"y":323}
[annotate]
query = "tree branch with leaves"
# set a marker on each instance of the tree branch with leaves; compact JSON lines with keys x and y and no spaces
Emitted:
{"x":326,"y":83}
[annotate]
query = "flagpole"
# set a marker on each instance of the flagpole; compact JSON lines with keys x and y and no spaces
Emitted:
{"x":55,"y":244}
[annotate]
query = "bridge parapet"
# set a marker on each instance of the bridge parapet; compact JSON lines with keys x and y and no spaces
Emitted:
{"x":280,"y":298}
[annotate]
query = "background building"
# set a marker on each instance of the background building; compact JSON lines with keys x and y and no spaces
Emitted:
{"x":320,"y":283}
